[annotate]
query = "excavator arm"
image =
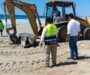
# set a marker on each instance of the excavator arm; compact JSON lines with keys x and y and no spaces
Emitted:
{"x":29,"y":9}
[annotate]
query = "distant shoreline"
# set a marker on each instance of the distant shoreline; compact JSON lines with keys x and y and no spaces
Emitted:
{"x":18,"y":16}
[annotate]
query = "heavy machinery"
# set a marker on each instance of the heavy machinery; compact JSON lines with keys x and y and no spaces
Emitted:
{"x":67,"y":7}
{"x":31,"y":12}
{"x":29,"y":9}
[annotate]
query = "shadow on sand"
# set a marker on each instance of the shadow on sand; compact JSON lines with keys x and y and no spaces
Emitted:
{"x":65,"y":63}
{"x":72,"y":62}
{"x":83,"y":57}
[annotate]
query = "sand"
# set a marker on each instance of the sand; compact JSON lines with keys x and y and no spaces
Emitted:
{"x":16,"y":60}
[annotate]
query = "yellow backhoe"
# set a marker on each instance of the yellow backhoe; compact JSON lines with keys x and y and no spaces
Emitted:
{"x":29,"y":9}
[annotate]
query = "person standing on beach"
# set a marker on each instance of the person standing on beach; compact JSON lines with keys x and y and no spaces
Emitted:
{"x":48,"y":40}
{"x":1,"y":27}
{"x":73,"y":30}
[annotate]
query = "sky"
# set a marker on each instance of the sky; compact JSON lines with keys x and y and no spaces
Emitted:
{"x":82,"y":7}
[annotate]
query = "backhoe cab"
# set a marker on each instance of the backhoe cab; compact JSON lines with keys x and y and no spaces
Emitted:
{"x":65,"y":8}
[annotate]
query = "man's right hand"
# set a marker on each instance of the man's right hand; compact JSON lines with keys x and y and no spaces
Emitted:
{"x":41,"y":44}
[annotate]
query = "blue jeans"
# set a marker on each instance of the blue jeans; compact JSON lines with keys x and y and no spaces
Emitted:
{"x":73,"y":46}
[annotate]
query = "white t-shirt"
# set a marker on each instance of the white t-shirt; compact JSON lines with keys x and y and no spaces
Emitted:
{"x":73,"y":27}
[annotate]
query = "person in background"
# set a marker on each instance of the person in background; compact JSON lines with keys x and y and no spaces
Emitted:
{"x":1,"y":27}
{"x":48,"y":40}
{"x":73,"y":30}
{"x":56,"y":15}
{"x":66,"y":17}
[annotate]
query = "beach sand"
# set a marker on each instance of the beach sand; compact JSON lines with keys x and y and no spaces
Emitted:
{"x":16,"y":60}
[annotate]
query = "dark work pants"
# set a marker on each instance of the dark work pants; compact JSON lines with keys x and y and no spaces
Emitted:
{"x":73,"y":46}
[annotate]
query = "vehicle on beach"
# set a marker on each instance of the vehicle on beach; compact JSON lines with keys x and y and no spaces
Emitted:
{"x":67,"y":7}
{"x":31,"y":12}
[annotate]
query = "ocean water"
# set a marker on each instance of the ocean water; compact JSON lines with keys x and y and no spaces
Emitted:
{"x":20,"y":19}
{"x":18,"y":16}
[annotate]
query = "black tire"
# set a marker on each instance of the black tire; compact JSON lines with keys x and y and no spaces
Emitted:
{"x":62,"y":33}
{"x":86,"y":33}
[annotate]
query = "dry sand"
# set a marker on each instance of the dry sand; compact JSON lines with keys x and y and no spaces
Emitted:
{"x":15,"y":60}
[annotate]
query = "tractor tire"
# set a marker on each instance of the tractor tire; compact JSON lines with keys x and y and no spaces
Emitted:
{"x":62,"y":33}
{"x":86,"y":33}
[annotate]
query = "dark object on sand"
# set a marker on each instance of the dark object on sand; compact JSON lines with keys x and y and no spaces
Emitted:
{"x":25,"y":39}
{"x":15,"y":39}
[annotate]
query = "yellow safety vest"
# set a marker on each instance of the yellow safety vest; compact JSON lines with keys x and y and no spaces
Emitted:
{"x":50,"y":35}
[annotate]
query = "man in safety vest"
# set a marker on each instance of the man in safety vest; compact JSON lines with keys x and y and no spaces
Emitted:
{"x":48,"y":40}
